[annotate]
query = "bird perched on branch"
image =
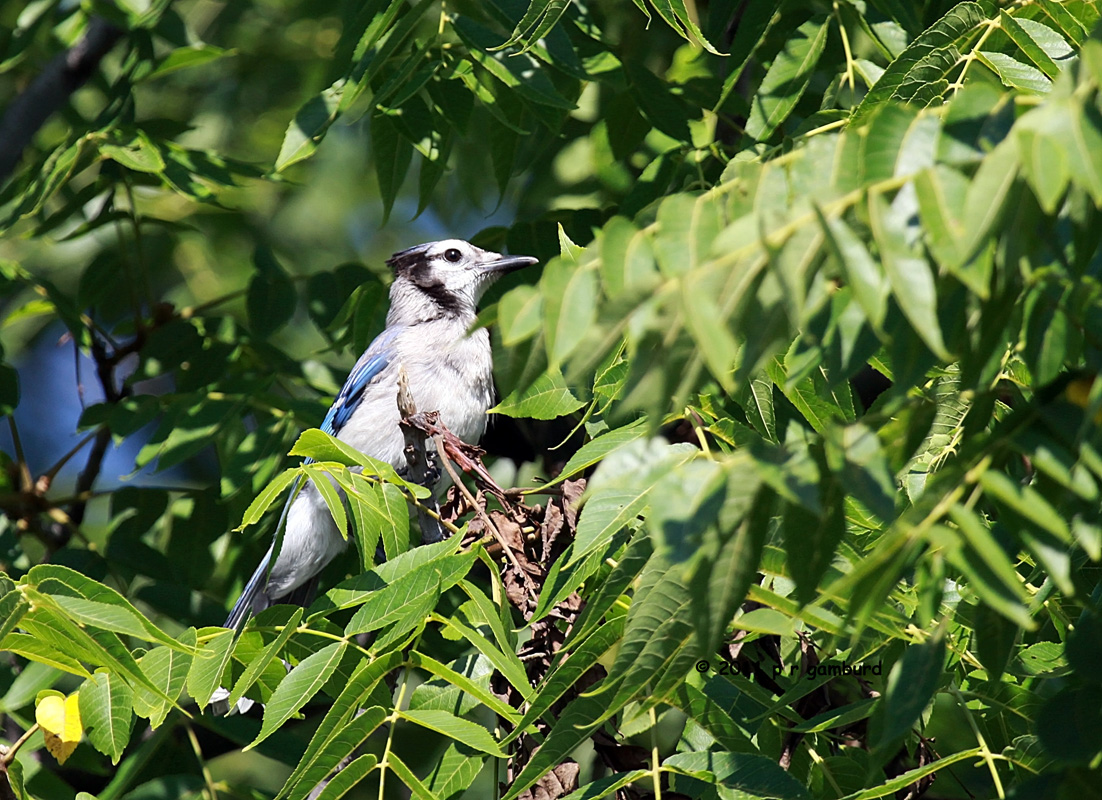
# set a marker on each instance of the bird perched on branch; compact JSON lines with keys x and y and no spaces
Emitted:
{"x":433,"y":303}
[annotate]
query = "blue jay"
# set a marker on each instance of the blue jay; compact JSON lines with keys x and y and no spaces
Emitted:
{"x":433,"y":302}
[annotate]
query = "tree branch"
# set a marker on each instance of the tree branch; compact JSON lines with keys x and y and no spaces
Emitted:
{"x":66,"y":73}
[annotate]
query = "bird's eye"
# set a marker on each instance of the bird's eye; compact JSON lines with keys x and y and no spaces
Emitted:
{"x":453,"y":255}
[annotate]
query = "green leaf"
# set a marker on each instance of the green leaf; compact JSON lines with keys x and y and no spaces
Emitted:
{"x":566,"y":673}
{"x":405,"y":775}
{"x":910,"y":276}
{"x":343,"y":729}
{"x":1072,"y":28}
{"x":660,"y":642}
{"x":12,"y":608}
{"x":455,"y":771}
{"x":167,"y":670}
{"x":870,"y":284}
{"x":678,"y":17}
{"x":920,"y":73}
{"x":787,"y":78}
{"x":541,"y":17}
{"x":34,"y":649}
{"x":548,"y":398}
{"x":663,"y":108}
{"x":323,"y":477}
{"x":1026,"y":501}
{"x":989,"y":569}
{"x":381,"y":512}
{"x":301,"y":684}
{"x":519,"y":71}
{"x":392,"y":154}
{"x":1033,"y":51}
{"x":108,"y":617}
{"x":1069,"y":724}
{"x":519,"y":313}
{"x":257,"y":665}
{"x":139,"y":154}
{"x":987,"y":196}
{"x":995,"y":639}
{"x":570,"y":296}
{"x":627,"y":258}
{"x":574,"y":725}
{"x":270,"y":300}
{"x":207,"y":666}
{"x":599,"y":448}
{"x":505,"y":662}
{"x":186,"y":57}
{"x":106,"y":711}
{"x":810,"y":541}
{"x":620,"y":489}
{"x":348,"y":777}
{"x":96,"y":604}
{"x":911,"y":777}
{"x":263,"y":501}
{"x":416,"y":591}
{"x":741,"y":773}
{"x":457,"y":728}
{"x":320,"y":446}
{"x":309,"y":126}
{"x":1014,"y":74}
{"x":910,"y":688}
{"x":731,"y":553}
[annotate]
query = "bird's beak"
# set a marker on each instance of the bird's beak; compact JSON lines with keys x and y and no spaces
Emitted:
{"x":503,"y":264}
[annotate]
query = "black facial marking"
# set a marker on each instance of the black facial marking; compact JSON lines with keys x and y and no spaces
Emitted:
{"x":414,"y":266}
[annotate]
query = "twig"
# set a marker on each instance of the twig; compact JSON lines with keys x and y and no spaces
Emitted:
{"x":66,"y":73}
{"x":25,"y":480}
{"x":8,"y":753}
{"x":528,"y":583}
{"x":417,"y":461}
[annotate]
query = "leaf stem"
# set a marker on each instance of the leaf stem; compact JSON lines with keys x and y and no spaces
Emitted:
{"x":656,"y":767}
{"x":207,"y":779}
{"x":985,"y":752}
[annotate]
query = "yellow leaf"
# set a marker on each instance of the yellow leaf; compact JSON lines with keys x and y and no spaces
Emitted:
{"x":1079,"y":391}
{"x":59,"y":719}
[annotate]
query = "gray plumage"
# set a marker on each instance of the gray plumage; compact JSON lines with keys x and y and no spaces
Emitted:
{"x":433,"y":304}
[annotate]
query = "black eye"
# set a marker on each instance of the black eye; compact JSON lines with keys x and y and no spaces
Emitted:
{"x":453,"y":255}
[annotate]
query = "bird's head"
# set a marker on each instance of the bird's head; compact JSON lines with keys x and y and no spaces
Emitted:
{"x":446,"y":278}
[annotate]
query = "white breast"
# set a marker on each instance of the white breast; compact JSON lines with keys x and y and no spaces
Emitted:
{"x":446,"y":374}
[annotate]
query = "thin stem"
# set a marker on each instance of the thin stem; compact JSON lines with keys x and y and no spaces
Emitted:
{"x":818,"y":759}
{"x":439,"y":440}
{"x":207,"y":779}
{"x":656,"y":766}
{"x":990,"y":25}
{"x":9,"y":752}
{"x":191,"y":311}
{"x":846,"y":49}
{"x":985,"y":752}
{"x":393,"y":720}
{"x":51,"y":473}
{"x":20,"y":458}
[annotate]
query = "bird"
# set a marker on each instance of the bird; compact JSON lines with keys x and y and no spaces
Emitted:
{"x":448,"y":367}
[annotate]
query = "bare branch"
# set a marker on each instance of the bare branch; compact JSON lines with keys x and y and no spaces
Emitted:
{"x":66,"y":73}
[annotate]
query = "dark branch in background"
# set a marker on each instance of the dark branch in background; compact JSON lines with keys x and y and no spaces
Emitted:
{"x":58,"y":533}
{"x":48,"y":92}
{"x":112,"y":393}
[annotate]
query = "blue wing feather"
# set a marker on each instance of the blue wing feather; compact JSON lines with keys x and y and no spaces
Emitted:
{"x":374,"y":360}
